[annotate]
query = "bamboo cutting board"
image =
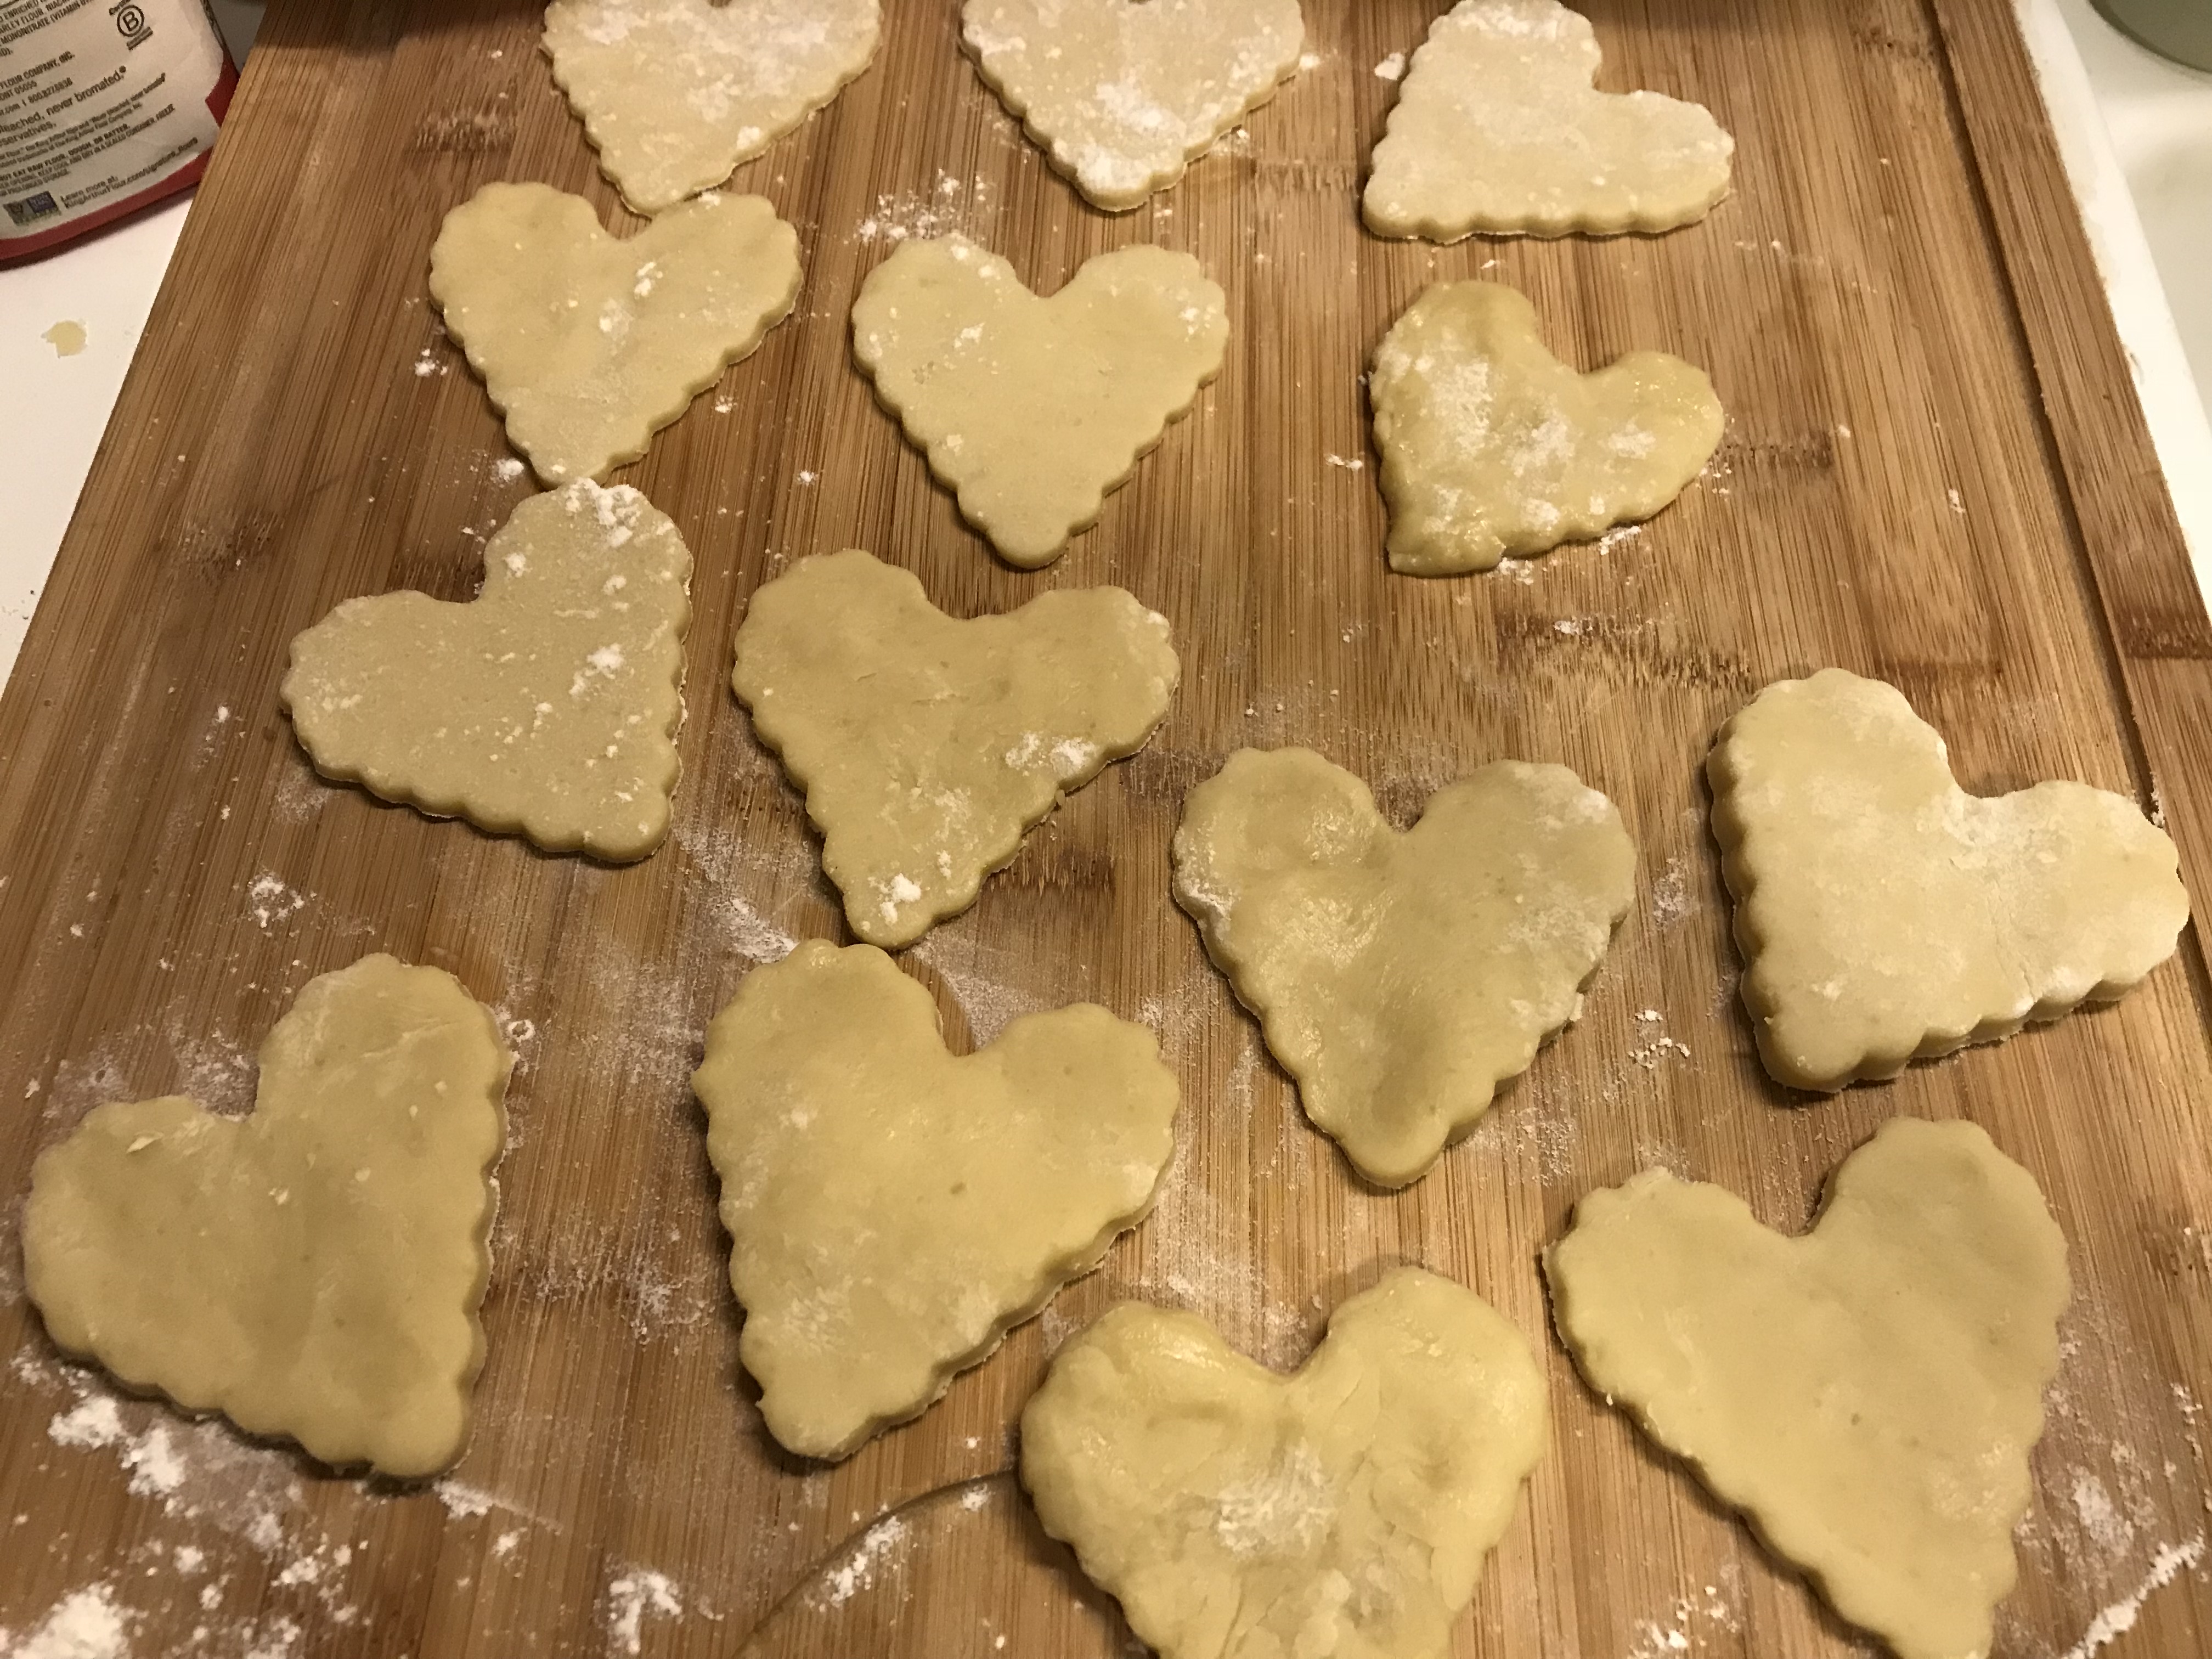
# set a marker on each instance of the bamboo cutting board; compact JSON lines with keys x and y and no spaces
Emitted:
{"x":1935,"y":472}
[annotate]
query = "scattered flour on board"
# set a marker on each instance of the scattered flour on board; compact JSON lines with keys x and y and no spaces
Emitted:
{"x":506,"y":469}
{"x":464,"y":1502}
{"x":630,"y":1596}
{"x":882,"y":1548}
{"x":269,"y":901}
{"x":2168,"y":1563}
{"x":1391,"y":68}
{"x":938,"y":212}
{"x":85,"y":1624}
{"x":1716,"y":1606}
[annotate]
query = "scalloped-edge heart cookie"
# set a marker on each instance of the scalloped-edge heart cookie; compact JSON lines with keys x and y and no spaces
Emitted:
{"x":928,"y":747}
{"x":1344,"y":1511}
{"x":1030,"y":409}
{"x":589,"y":343}
{"x":1866,"y":1392}
{"x":676,"y":94}
{"x":312,"y":1271}
{"x":547,"y":706}
{"x":1493,"y":448}
{"x":1124,"y":95}
{"x":894,"y":1209}
{"x":1886,"y":915}
{"x":1401,"y":977}
{"x":1498,"y":129}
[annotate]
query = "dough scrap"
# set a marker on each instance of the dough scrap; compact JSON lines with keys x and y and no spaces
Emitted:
{"x":1886,"y":915}
{"x":893,"y":1210}
{"x":1867,"y":1393}
{"x":1341,"y":1513}
{"x":1493,"y":448}
{"x":547,"y":705}
{"x":312,"y":1271}
{"x":1400,"y":978}
{"x":1032,"y":409}
{"x":675,"y":94}
{"x":928,"y":747}
{"x":1123,"y":94}
{"x":589,"y":343}
{"x":1498,"y":129}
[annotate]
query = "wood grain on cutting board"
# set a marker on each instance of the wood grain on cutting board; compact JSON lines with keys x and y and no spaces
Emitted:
{"x":1935,"y":472}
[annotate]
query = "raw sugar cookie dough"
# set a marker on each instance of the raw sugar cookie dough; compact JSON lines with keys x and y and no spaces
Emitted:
{"x":675,"y":94}
{"x":1498,"y":130}
{"x":589,"y":343}
{"x":1031,"y":409}
{"x":1886,"y":915}
{"x":1346,"y":1510}
{"x":547,"y":706}
{"x":312,"y":1271}
{"x":927,"y":746}
{"x":893,"y":1210}
{"x":1493,"y":448}
{"x":1868,"y":1392}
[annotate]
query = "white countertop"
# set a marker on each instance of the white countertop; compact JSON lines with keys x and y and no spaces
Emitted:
{"x":2136,"y":133}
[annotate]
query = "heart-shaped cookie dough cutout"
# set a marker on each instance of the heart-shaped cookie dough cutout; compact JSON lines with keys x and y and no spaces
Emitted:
{"x":928,"y":747}
{"x":1886,"y":915}
{"x":589,"y":343}
{"x":1493,"y":448}
{"x":675,"y":94}
{"x":1032,"y":409}
{"x":1124,"y":95}
{"x":547,"y":705}
{"x":1498,"y":129}
{"x":1400,"y":978}
{"x":1239,"y":1515}
{"x":1866,"y":1392}
{"x":312,"y":1271}
{"x":894,"y":1210}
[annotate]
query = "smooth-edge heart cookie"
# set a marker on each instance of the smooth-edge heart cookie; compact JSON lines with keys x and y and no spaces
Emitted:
{"x":1867,"y":1393}
{"x":675,"y":95}
{"x":1498,"y":129}
{"x":312,"y":1271}
{"x":1032,"y":409}
{"x":1400,"y":978}
{"x":928,"y":747}
{"x":1493,"y":448}
{"x":1346,"y":1510}
{"x":1863,"y":951}
{"x":589,"y":344}
{"x":577,"y":637}
{"x":1090,"y":84}
{"x":894,"y":1209}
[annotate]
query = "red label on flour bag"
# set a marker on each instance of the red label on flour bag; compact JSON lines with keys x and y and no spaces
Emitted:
{"x":105,"y":105}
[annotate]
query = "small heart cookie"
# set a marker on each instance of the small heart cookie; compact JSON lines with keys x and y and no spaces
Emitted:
{"x":1344,"y":1511}
{"x":894,"y":1210}
{"x":1867,"y":1393}
{"x":1400,"y":978}
{"x":547,"y":705}
{"x":928,"y":747}
{"x":1886,"y":915}
{"x":674,"y":94}
{"x":1124,"y":95}
{"x":312,"y":1271}
{"x":1498,"y":129}
{"x":589,"y":343}
{"x":1493,"y":448}
{"x":1032,"y":409}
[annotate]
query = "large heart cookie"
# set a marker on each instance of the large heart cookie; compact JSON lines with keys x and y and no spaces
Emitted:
{"x":1342,"y":1513}
{"x":1867,"y":1393}
{"x":1124,"y":95}
{"x":314,"y":1270}
{"x":589,"y":343}
{"x":1493,"y":448}
{"x":1498,"y":129}
{"x":1032,"y":409}
{"x":894,"y":1210}
{"x":1400,"y":978}
{"x":1886,"y":915}
{"x":547,"y":705}
{"x":676,"y":93}
{"x":928,"y":747}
